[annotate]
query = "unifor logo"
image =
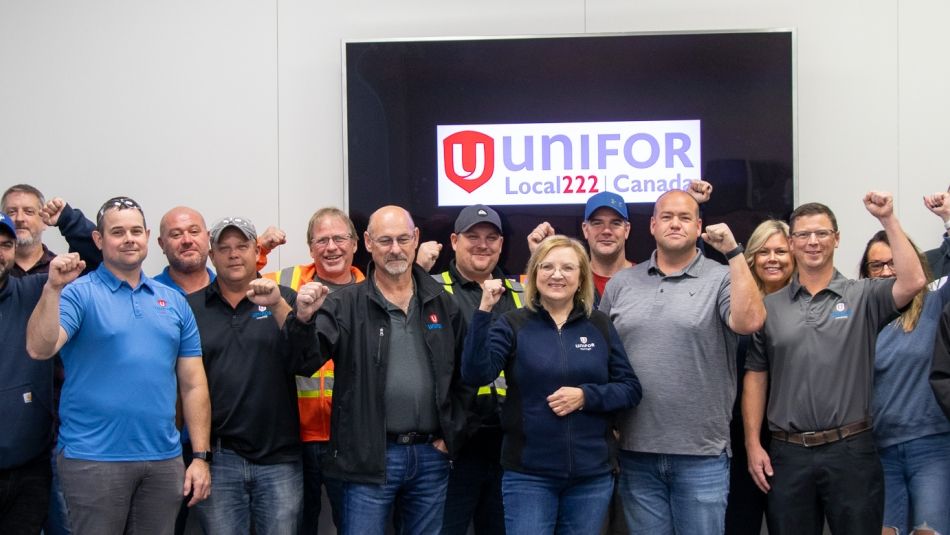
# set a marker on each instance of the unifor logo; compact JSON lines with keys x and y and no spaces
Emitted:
{"x":469,"y":159}
{"x":583,"y":339}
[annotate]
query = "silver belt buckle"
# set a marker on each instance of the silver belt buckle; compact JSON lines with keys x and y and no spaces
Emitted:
{"x":805,"y":438}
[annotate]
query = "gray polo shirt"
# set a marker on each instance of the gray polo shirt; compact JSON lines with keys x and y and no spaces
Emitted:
{"x":819,"y":351}
{"x":409,"y":394}
{"x":674,"y":328}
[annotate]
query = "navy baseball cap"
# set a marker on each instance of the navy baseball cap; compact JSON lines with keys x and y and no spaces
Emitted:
{"x":7,"y":226}
{"x":606,"y":199}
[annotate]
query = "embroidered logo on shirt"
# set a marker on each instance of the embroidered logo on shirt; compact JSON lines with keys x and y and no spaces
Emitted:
{"x":583,"y":345}
{"x":433,"y":322}
{"x":261,"y":313}
{"x":28,"y":397}
{"x":840,"y":312}
{"x":162,"y":303}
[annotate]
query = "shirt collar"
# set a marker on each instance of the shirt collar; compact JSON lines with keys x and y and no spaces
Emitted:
{"x":693,"y":269}
{"x":836,"y":285}
{"x":113,"y":283}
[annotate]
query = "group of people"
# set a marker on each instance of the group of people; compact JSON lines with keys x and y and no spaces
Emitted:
{"x":692,"y":396}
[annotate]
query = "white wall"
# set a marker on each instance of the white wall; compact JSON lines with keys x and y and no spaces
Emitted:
{"x":236,"y":107}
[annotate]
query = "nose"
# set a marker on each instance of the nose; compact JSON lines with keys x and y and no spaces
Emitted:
{"x":331,"y":246}
{"x":812,"y":238}
{"x":888,"y":269}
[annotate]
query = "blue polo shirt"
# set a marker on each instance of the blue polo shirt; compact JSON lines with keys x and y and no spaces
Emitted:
{"x":118,"y":402}
{"x":165,"y":278}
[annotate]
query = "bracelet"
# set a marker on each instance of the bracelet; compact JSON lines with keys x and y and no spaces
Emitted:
{"x":735,"y":252}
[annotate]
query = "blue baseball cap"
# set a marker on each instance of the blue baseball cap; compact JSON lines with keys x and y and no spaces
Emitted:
{"x":606,"y":199}
{"x":7,"y":226}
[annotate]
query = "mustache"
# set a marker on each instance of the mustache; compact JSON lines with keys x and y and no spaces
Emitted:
{"x":396,"y":258}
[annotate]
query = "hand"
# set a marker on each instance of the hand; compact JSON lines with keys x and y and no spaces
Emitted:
{"x":271,"y":239}
{"x":566,"y":400}
{"x":197,"y":482}
{"x":439,"y":444}
{"x":720,"y":237}
{"x":879,"y":203}
{"x":700,"y":190}
{"x":64,"y":269}
{"x":538,"y":234}
{"x":760,"y":467}
{"x":939,"y":203}
{"x":264,"y":292}
{"x":310,"y":298}
{"x":428,"y":253}
{"x":492,"y":291}
{"x":52,"y":210}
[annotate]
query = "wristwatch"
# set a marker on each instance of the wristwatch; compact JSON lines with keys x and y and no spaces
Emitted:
{"x":203,"y":455}
{"x":735,"y":252}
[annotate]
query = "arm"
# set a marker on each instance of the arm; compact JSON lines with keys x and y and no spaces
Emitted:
{"x":940,"y":368}
{"x":427,"y":254}
{"x":44,"y":334}
{"x":536,"y":236}
{"x":910,"y":275}
{"x":196,"y":406}
{"x":309,"y":347}
{"x":487,"y":346}
{"x":265,"y":292}
{"x":271,"y":239}
{"x":700,"y":190}
{"x":623,"y":389}
{"x":76,"y":230}
{"x":754,"y":387}
{"x":746,"y":309}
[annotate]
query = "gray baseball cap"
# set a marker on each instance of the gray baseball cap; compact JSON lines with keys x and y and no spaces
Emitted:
{"x":241,"y":223}
{"x":475,"y":214}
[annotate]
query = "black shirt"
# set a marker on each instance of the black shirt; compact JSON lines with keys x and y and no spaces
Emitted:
{"x":253,"y":397}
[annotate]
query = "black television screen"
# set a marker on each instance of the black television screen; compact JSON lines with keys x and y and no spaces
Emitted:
{"x":534,"y":126}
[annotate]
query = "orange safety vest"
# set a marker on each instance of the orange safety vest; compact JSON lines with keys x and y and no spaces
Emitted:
{"x":314,"y":393}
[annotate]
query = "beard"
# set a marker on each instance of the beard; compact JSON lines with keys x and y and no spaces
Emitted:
{"x":188,"y":266}
{"x":28,"y":241}
{"x":396,"y":265}
{"x":4,"y":274}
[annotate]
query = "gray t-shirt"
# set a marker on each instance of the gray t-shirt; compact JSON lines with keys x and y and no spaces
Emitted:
{"x":819,"y":351}
{"x":409,"y":394}
{"x":674,"y":328}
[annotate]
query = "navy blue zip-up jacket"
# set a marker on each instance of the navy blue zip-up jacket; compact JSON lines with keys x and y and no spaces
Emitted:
{"x":538,"y":359}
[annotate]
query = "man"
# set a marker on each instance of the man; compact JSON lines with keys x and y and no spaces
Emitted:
{"x":399,"y":408}
{"x":606,"y":228}
{"x":678,"y":316}
{"x":31,"y":214}
{"x":815,"y":357}
{"x":256,"y":470}
{"x":474,"y":492}
{"x":332,"y":240}
{"x":183,"y":237}
{"x":939,"y":258}
{"x":125,"y":340}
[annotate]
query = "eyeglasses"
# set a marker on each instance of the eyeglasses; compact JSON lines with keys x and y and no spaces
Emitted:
{"x":547,"y":268}
{"x":821,"y":234}
{"x":338,"y":239}
{"x":117,"y":203}
{"x":387,"y":241}
{"x":233,"y":221}
{"x":877,"y":267}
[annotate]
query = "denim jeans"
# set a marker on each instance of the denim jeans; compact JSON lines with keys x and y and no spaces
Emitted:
{"x":548,"y":505}
{"x":841,"y":481}
{"x":474,"y":495}
{"x":122,"y":496}
{"x":313,"y":479}
{"x":681,"y":494}
{"x":242,"y":492}
{"x":57,"y":521}
{"x":917,"y":483}
{"x":24,"y":496}
{"x":416,"y":478}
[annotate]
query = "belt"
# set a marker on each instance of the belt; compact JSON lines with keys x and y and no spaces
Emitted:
{"x":819,"y":438}
{"x":405,"y":439}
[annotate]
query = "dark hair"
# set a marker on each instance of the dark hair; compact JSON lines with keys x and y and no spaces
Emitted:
{"x":909,"y":318}
{"x":117,"y":203}
{"x":813,"y":208}
{"x":22,"y":188}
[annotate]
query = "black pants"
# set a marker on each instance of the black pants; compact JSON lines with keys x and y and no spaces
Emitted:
{"x":842,"y":481}
{"x":24,"y":496}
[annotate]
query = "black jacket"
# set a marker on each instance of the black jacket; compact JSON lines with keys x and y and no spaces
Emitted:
{"x":353,"y":327}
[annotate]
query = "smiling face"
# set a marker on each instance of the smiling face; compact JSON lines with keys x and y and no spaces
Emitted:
{"x":391,"y":239}
{"x":332,"y":259}
{"x":813,"y":251}
{"x":880,"y":261}
{"x":123,"y":240}
{"x":477,"y":251}
{"x":675,"y":224}
{"x":606,"y":233}
{"x":558,"y":277}
{"x":184,"y":239}
{"x":235,"y":256}
{"x":773,"y":263}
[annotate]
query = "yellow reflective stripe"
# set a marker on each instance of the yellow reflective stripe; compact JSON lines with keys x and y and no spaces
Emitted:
{"x":447,"y":279}
{"x":500,"y":385}
{"x":310,"y":387}
{"x":515,"y":296}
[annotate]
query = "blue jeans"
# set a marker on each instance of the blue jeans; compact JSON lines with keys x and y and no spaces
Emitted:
{"x":57,"y":520}
{"x":681,"y":494}
{"x":917,"y":483}
{"x":269,"y":495}
{"x":548,"y":505}
{"x":474,"y":495}
{"x":313,"y":479}
{"x":416,"y":477}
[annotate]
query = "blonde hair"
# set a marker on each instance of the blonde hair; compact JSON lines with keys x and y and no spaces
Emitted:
{"x":585,"y":290}
{"x":760,"y":235}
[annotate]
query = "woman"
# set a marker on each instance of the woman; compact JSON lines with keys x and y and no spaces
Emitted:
{"x":567,"y":373}
{"x":911,"y":432}
{"x":772,"y":266}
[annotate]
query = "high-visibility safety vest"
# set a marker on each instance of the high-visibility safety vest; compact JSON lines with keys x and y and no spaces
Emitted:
{"x":499,"y":386}
{"x":314,"y":393}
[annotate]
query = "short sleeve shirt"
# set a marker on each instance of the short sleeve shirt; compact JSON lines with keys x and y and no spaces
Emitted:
{"x":675,"y":330}
{"x":819,"y":351}
{"x":118,"y":402}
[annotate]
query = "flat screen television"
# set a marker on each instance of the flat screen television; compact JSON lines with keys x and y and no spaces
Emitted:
{"x":534,"y":125}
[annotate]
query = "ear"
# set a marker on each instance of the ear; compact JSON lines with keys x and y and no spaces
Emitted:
{"x":97,"y":238}
{"x":653,"y":226}
{"x":454,"y":240}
